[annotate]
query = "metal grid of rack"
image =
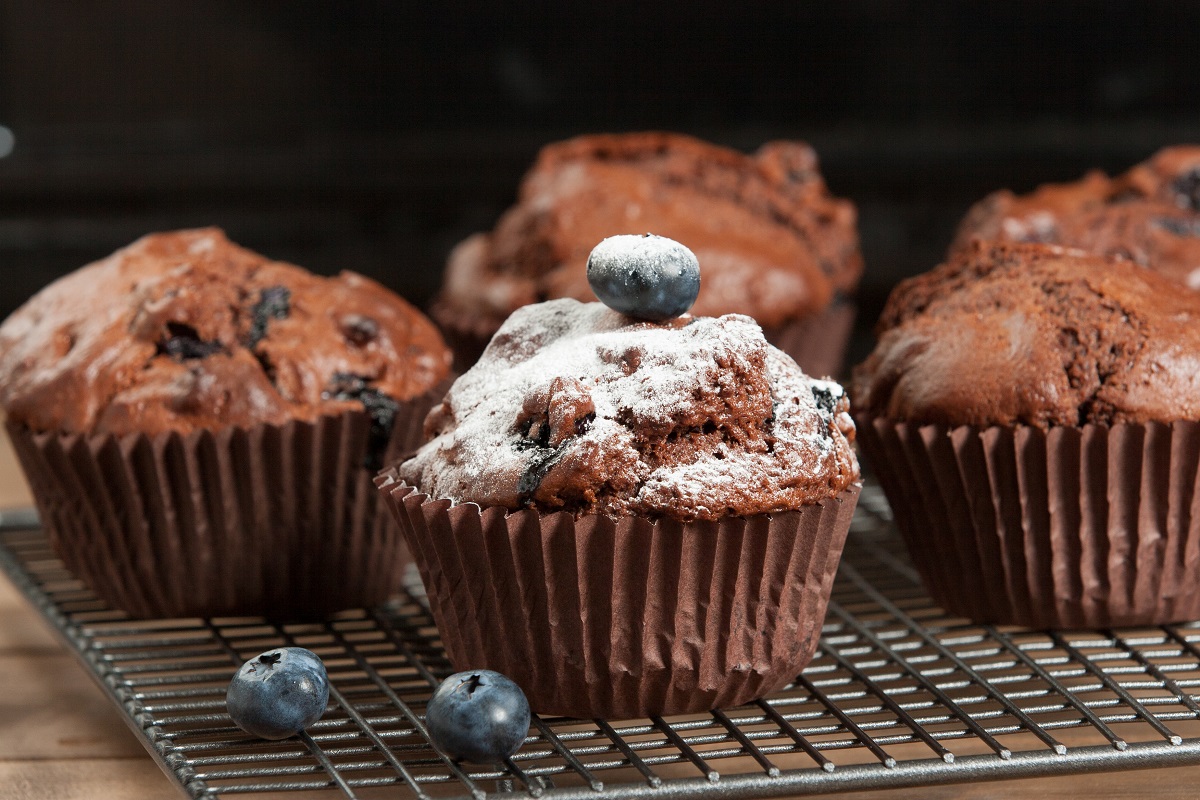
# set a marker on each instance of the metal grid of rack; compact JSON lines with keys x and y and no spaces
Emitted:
{"x":898,"y":695}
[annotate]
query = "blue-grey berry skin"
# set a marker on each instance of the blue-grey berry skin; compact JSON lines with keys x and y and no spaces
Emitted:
{"x":479,"y":716}
{"x":644,"y":276}
{"x":279,"y":693}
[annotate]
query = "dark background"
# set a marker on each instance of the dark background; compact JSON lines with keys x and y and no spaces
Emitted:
{"x":374,"y":135}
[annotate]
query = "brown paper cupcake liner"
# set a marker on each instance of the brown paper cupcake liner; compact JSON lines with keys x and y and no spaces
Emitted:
{"x":273,"y":520}
{"x":817,"y":343}
{"x":1063,"y":528}
{"x":595,"y":616}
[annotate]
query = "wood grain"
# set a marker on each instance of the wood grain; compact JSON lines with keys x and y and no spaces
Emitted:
{"x":83,"y":779}
{"x":14,"y":492}
{"x":1175,"y":783}
{"x":58,"y":713}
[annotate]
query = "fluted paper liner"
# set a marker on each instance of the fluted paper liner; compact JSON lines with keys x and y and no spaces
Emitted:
{"x":1061,"y":528}
{"x":596,"y":616}
{"x":274,"y":520}
{"x":817,"y":343}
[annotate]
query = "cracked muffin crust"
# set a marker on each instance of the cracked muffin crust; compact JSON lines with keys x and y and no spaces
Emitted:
{"x":1150,"y":215}
{"x":1029,"y":334}
{"x":774,"y":244}
{"x":576,"y":407}
{"x":185,"y":330}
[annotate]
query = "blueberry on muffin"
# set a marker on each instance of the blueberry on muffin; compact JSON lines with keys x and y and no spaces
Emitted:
{"x":630,"y":517}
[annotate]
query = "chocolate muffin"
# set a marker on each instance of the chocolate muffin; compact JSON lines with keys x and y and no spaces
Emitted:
{"x":775,"y":244}
{"x":1031,"y":412}
{"x":185,"y":331}
{"x":190,"y":413}
{"x":649,"y":515}
{"x":1150,"y":215}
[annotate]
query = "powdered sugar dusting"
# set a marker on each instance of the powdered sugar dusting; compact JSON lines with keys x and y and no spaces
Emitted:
{"x":574,"y":406}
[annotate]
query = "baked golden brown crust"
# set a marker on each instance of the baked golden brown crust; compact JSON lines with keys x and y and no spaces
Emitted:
{"x":772,"y":242}
{"x":1006,"y":334}
{"x":186,"y":330}
{"x":1149,"y":215}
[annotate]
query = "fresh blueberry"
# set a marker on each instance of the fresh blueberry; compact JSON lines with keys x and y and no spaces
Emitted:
{"x":479,"y":716}
{"x":646,"y":277}
{"x":274,"y":302}
{"x":1187,"y":189}
{"x":183,"y":343}
{"x":279,"y":693}
{"x":380,"y":407}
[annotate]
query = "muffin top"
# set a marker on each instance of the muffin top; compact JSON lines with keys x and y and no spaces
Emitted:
{"x":1149,"y":215}
{"x":576,"y":407}
{"x":1007,"y":334}
{"x":775,"y":245}
{"x":186,"y":330}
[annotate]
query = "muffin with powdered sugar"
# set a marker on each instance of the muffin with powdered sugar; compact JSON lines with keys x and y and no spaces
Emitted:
{"x":631,"y":517}
{"x":574,"y":407}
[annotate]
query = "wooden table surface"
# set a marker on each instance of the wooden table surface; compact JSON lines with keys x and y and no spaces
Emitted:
{"x":60,"y":739}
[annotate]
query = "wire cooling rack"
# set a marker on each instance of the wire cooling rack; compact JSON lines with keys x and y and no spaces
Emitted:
{"x":898,"y":694}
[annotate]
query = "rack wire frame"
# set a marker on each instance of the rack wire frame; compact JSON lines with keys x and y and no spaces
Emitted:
{"x":899,"y":694}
